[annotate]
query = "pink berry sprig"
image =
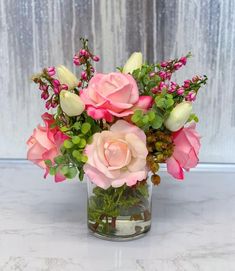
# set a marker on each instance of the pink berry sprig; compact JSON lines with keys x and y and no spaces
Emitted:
{"x":167,"y":68}
{"x":50,"y":87}
{"x":83,"y":58}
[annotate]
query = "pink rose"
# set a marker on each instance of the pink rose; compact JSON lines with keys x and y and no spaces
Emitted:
{"x":117,"y":156}
{"x":45,"y":144}
{"x":113,"y":94}
{"x":185,"y":156}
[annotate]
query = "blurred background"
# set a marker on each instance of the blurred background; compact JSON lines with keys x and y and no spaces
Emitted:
{"x":35,"y":34}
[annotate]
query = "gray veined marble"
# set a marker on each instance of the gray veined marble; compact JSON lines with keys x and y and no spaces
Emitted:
{"x":35,"y":34}
{"x":43,"y":226}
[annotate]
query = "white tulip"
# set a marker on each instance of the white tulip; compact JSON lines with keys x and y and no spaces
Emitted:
{"x":133,"y":63}
{"x":178,"y":116}
{"x":65,"y":76}
{"x":71,"y":103}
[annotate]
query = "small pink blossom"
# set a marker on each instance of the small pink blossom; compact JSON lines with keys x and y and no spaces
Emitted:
{"x":48,"y":104}
{"x":95,"y":58}
{"x":56,"y":83}
{"x":186,"y":149}
{"x":183,"y":60}
{"x":164,"y":64}
{"x":180,"y":91}
{"x":191,"y":96}
{"x":187,"y":83}
{"x":163,"y":75}
{"x":178,"y":65}
{"x":76,"y":60}
{"x":45,"y":95}
{"x":84,"y":75}
{"x":113,"y":94}
{"x":43,"y":87}
{"x":51,"y":71}
{"x":117,"y":157}
{"x":45,"y":144}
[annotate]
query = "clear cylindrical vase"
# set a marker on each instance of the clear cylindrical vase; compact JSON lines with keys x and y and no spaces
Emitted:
{"x":122,"y":213}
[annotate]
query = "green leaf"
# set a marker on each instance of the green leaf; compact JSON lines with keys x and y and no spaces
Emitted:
{"x":68,"y":144}
{"x":48,"y":163}
{"x":151,"y":115}
{"x":52,"y":171}
{"x":77,"y":125}
{"x":82,"y":143}
{"x":151,"y":84}
{"x":84,"y":158}
{"x":157,"y":123}
{"x":64,"y":170}
{"x":59,"y":159}
{"x":145,"y":119}
{"x":85,"y":127}
{"x":169,"y":103}
{"x":72,"y":172}
{"x":160,"y":102}
{"x":76,"y":139}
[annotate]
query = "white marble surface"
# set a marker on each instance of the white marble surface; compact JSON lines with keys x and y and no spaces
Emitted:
{"x":43,"y":226}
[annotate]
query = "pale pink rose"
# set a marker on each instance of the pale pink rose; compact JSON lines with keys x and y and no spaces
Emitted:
{"x":117,"y":156}
{"x":185,"y":156}
{"x":45,"y":144}
{"x":113,"y":94}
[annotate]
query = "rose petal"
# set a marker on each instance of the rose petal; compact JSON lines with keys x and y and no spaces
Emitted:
{"x":174,"y":168}
{"x":97,"y":114}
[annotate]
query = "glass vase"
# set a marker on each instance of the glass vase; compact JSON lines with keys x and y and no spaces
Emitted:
{"x":120,"y":214}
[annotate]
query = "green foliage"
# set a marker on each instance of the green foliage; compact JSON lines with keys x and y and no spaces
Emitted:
{"x":144,"y":80}
{"x":193,"y":117}
{"x":111,"y":202}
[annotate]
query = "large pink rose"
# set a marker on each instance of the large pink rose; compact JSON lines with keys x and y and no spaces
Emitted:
{"x":185,"y":156}
{"x":45,"y":144}
{"x":117,"y":156}
{"x":113,"y":94}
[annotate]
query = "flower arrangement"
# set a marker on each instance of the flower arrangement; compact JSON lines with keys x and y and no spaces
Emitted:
{"x":116,"y":128}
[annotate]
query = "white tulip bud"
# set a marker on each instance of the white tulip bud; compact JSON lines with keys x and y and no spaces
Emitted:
{"x":71,"y":103}
{"x":178,"y":116}
{"x":133,"y":63}
{"x":65,"y":76}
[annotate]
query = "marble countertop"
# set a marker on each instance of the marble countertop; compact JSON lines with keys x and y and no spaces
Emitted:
{"x":43,"y":226}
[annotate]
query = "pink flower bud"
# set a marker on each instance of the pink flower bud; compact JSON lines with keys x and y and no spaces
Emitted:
{"x":43,"y":87}
{"x":84,"y":53}
{"x":183,"y":60}
{"x":196,"y":78}
{"x":92,"y":69}
{"x":152,"y":74}
{"x":51,"y":71}
{"x":56,"y":90}
{"x":180,"y":91}
{"x":162,"y":85}
{"x":54,"y":104}
{"x":168,"y":75}
{"x":48,"y":105}
{"x":191,"y":96}
{"x":79,"y":84}
{"x":172,"y":87}
{"x":96,"y":58}
{"x":164,"y":64}
{"x":45,"y":95}
{"x":84,"y":75}
{"x":64,"y":86}
{"x":178,"y":65}
{"x":155,"y":90}
{"x":56,"y":83}
{"x":163,"y":75}
{"x":76,"y":60}
{"x":187,"y":83}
